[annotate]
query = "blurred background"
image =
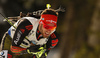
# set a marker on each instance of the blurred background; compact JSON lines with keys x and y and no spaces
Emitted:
{"x":78,"y":27}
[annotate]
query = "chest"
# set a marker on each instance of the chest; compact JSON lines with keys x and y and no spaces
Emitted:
{"x":36,"y":39}
{"x":33,"y":38}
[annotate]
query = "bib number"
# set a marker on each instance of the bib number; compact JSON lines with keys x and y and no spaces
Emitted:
{"x":3,"y":54}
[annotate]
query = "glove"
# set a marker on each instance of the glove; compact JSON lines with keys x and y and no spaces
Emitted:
{"x":39,"y":54}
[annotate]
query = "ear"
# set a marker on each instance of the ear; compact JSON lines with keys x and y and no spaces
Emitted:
{"x":40,"y":27}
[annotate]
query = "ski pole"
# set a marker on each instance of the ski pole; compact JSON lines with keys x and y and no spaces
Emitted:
{"x":6,"y":19}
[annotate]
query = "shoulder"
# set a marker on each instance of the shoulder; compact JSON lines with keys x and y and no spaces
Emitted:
{"x":53,"y":35}
{"x":32,"y":20}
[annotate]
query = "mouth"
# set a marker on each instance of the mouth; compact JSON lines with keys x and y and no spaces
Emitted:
{"x":46,"y":34}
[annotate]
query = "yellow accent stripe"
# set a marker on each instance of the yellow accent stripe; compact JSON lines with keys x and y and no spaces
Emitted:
{"x":23,"y":45}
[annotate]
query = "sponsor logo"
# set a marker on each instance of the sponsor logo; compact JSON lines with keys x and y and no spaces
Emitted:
{"x":3,"y":54}
{"x":18,"y":36}
{"x":29,"y":27}
{"x":51,"y":21}
{"x":42,"y":18}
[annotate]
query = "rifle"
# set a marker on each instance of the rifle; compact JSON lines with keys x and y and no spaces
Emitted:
{"x":36,"y":14}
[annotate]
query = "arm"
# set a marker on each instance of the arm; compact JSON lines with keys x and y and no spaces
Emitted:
{"x":52,"y":42}
{"x":22,"y":30}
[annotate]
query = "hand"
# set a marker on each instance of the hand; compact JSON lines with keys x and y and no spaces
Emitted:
{"x":39,"y":54}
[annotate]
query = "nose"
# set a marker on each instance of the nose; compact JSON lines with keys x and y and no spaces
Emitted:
{"x":49,"y":30}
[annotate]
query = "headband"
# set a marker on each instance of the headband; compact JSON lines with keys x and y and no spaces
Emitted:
{"x":48,"y":18}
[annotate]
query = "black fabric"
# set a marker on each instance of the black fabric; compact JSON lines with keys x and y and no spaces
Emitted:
{"x":19,"y":36}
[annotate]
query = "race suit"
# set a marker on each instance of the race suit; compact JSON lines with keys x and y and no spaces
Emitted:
{"x":26,"y":38}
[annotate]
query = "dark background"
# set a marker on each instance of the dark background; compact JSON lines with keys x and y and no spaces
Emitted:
{"x":78,"y":27}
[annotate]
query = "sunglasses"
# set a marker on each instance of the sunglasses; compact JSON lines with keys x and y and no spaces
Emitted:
{"x":49,"y":27}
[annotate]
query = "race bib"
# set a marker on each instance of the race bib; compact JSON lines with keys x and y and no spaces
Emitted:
{"x":3,"y":54}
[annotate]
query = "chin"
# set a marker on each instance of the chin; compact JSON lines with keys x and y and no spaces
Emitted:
{"x":46,"y":36}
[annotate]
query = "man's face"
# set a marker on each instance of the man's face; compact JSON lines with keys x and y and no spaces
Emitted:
{"x":44,"y":31}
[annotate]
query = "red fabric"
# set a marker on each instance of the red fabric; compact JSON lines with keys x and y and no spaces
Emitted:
{"x":17,"y":49}
{"x":34,"y":56}
{"x":55,"y":41}
{"x":47,"y":18}
{"x":49,"y":48}
{"x":29,"y":27}
{"x":38,"y":31}
{"x":54,"y":44}
{"x":39,"y":36}
{"x":53,"y":36}
{"x":22,"y":30}
{"x":9,"y":56}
